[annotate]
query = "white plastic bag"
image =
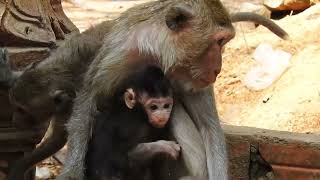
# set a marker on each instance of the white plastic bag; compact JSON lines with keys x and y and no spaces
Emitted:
{"x":272,"y":63}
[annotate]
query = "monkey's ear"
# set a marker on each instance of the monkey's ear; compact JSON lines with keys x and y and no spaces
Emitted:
{"x":129,"y":98}
{"x":178,"y":17}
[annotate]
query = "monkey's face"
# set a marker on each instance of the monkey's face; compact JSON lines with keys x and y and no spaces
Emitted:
{"x":204,"y":29}
{"x":187,"y":36}
{"x":158,"y":109}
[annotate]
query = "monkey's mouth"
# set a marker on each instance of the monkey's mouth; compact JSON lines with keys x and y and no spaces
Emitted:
{"x":160,"y":125}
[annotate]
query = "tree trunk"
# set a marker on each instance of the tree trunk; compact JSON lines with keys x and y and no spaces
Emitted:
{"x":33,"y":22}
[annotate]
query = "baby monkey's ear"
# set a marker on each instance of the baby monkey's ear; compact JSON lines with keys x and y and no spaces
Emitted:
{"x":130,"y":98}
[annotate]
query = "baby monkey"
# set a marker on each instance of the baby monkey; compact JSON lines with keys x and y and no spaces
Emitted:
{"x":130,"y":129}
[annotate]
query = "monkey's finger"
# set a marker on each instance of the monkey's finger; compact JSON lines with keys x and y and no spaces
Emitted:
{"x":175,"y":145}
{"x":174,"y":154}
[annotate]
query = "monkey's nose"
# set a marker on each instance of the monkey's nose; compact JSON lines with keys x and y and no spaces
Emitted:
{"x":163,"y":120}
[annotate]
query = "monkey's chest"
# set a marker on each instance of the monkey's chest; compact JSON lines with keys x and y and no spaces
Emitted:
{"x":135,"y":132}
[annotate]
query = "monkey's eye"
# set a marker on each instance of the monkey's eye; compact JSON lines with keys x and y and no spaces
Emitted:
{"x":220,"y":42}
{"x":178,"y":16}
{"x":166,"y":106}
{"x":153,"y":107}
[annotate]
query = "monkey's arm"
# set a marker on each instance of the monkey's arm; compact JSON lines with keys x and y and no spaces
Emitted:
{"x":200,"y":106}
{"x":143,"y":153}
{"x":188,"y":137}
{"x":56,"y":139}
{"x":79,"y":134}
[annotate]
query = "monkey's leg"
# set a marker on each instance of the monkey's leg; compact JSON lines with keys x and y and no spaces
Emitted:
{"x":201,"y":107}
{"x":192,"y":147}
{"x":56,"y":139}
{"x":78,"y":129}
{"x":146,"y":159}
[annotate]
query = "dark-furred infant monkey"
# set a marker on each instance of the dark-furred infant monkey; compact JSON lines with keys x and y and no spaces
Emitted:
{"x":131,"y":127}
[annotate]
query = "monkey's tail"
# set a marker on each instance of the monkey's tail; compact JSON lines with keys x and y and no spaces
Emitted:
{"x":248,"y":16}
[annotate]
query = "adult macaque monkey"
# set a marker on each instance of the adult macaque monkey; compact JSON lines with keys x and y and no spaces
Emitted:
{"x":185,"y":38}
{"x":42,"y":82}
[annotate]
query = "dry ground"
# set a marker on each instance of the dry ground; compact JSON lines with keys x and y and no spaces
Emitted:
{"x":294,"y":100}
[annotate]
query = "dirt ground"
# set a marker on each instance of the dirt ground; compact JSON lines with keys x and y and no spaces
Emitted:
{"x":293,"y":100}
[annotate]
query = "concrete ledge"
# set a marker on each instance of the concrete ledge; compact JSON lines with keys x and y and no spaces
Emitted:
{"x":258,"y":153}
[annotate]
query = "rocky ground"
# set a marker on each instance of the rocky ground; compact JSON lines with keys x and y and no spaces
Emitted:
{"x":291,"y":103}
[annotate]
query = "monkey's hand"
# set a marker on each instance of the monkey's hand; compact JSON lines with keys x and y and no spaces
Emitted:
{"x":169,"y":148}
{"x":146,"y":151}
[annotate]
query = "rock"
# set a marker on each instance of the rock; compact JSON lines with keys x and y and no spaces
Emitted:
{"x":43,"y":173}
{"x":289,"y":4}
{"x":20,"y":57}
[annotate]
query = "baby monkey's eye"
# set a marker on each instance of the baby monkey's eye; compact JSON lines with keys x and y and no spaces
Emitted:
{"x":153,"y":107}
{"x":166,"y":106}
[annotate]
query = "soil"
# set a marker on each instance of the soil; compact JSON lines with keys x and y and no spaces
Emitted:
{"x":292,"y":102}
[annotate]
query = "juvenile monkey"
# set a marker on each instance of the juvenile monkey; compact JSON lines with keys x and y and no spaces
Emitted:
{"x":70,"y":61}
{"x":43,"y":94}
{"x":130,"y":128}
